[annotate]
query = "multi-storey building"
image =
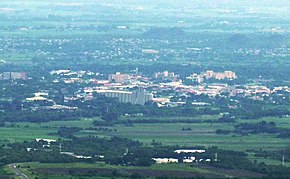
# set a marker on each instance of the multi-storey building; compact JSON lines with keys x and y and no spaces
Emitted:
{"x":119,"y":78}
{"x":140,"y":97}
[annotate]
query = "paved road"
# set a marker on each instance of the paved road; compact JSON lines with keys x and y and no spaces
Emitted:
{"x":17,"y":171}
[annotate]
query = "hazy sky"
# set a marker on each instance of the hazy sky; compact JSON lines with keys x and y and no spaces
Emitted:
{"x":211,"y":2}
{"x":229,"y":2}
{"x":202,"y":4}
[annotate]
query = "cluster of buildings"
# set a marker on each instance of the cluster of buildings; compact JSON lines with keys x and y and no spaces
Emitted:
{"x":47,"y":147}
{"x":185,"y":156}
{"x":165,"y":76}
{"x":257,"y":92}
{"x":50,"y":104}
{"x":164,"y":88}
{"x":13,"y":76}
{"x":220,"y":76}
{"x":214,"y":75}
{"x":127,"y":88}
{"x":119,"y":78}
{"x":39,"y":96}
{"x":134,"y":97}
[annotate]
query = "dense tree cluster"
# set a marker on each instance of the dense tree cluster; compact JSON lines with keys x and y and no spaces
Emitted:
{"x":257,"y":128}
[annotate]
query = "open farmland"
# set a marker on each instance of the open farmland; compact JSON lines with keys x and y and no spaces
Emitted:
{"x":202,"y":134}
{"x":22,"y":131}
{"x":177,"y":133}
{"x":102,"y":170}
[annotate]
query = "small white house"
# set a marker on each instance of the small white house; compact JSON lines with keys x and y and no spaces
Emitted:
{"x":46,"y":140}
{"x":165,"y":160}
{"x":189,"y":151}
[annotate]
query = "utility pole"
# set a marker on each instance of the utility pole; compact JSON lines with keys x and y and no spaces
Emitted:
{"x":216,"y":157}
{"x":127,"y":151}
{"x":59,"y":147}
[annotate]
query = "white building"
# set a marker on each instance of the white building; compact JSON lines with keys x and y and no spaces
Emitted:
{"x":140,"y":97}
{"x":189,"y":151}
{"x":165,"y":160}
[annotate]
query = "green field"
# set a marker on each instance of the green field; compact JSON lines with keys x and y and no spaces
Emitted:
{"x":201,"y":134}
{"x":23,"y":131}
{"x":201,"y":118}
{"x":75,"y":170}
{"x":28,"y":168}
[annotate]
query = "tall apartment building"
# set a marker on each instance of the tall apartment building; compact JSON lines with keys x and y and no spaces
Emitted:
{"x":140,"y":97}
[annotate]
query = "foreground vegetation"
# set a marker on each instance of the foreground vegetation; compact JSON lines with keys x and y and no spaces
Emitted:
{"x":259,"y":147}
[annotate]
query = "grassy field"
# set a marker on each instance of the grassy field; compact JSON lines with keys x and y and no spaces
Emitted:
{"x":76,"y":170}
{"x":269,"y":161}
{"x":19,"y":132}
{"x":201,"y":134}
{"x":30,"y":169}
{"x":202,"y":118}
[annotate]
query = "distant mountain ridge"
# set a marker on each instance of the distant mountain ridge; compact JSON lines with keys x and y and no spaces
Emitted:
{"x":258,"y":41}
